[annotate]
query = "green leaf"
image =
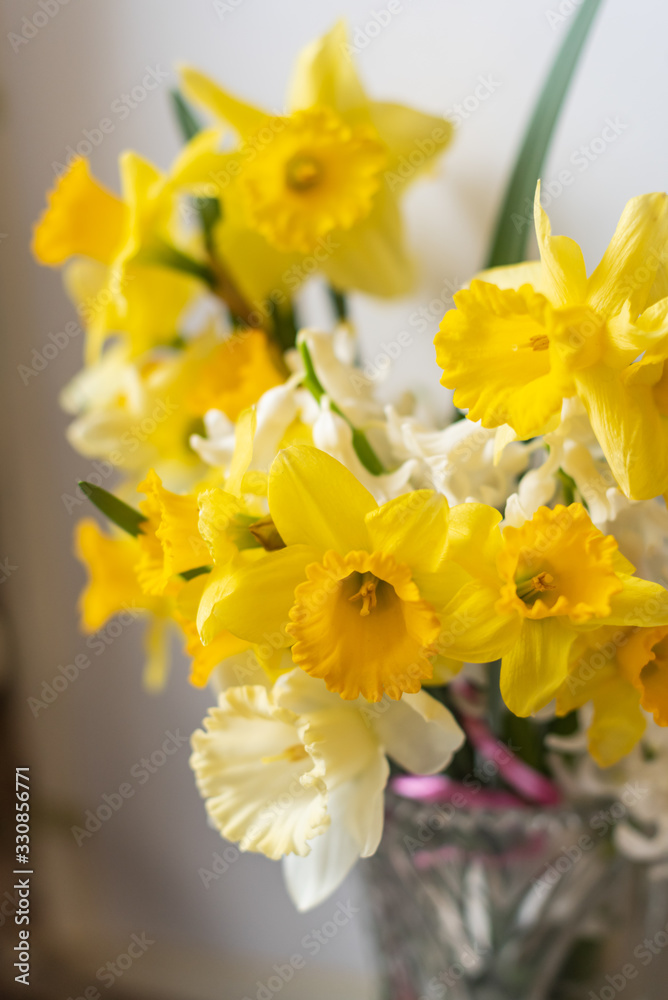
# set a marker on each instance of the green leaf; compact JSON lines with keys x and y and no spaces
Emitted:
{"x":165,"y":255}
{"x":190,"y":574}
{"x":514,"y":223}
{"x":185,"y":116}
{"x":361,"y":443}
{"x":120,"y":513}
{"x":209,"y":209}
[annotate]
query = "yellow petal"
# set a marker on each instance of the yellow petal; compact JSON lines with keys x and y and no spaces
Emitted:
{"x":360,"y":624}
{"x":564,"y":276}
{"x":325,"y":74}
{"x":536,"y":665}
{"x":170,"y":541}
{"x":630,"y":426}
{"x":617,"y":723}
{"x":371,"y":257}
{"x":474,"y":539}
{"x":112,"y":584}
{"x":529,"y":272}
{"x":244,"y":118}
{"x":82,"y":218}
{"x":412,"y":137}
{"x":413,"y":528}
{"x":316,"y":501}
{"x":495,"y":351}
{"x":253,"y":600}
{"x":237,"y":372}
{"x":628,"y":266}
{"x":243,"y":450}
{"x":471,"y":629}
{"x":156,"y":667}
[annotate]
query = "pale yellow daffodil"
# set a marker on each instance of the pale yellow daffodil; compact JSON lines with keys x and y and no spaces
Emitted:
{"x":523,"y":338}
{"x":295,"y":772}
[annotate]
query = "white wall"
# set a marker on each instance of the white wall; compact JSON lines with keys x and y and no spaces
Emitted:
{"x":140,"y":871}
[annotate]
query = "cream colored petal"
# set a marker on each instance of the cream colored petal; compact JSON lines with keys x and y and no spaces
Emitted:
{"x":261,"y":787}
{"x":418,"y":732}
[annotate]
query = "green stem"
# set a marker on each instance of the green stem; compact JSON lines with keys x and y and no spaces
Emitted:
{"x":514,"y":221}
{"x":361,"y":444}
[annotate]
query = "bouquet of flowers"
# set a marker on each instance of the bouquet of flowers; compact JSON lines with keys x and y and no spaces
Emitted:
{"x":370,"y":595}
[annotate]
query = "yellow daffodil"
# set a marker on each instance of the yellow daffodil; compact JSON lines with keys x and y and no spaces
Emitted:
{"x":538,"y":586}
{"x":169,"y":541}
{"x":523,"y":338}
{"x":295,"y":772}
{"x":324,"y":180}
{"x":118,"y":276}
{"x":113,"y":589}
{"x":138,"y":412}
{"x":621,"y":671}
{"x":357,"y":588}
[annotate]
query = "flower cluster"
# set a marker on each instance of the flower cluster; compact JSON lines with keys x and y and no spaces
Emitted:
{"x":342,"y":571}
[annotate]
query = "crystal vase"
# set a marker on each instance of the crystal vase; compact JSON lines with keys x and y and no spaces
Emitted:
{"x":514,"y":904}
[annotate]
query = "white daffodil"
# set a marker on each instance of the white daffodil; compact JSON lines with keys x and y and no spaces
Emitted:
{"x":299,"y":773}
{"x":458,"y":460}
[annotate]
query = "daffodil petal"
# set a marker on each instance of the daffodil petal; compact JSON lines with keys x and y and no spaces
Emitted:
{"x":564,"y":277}
{"x":413,"y":528}
{"x":471,"y":630}
{"x":257,"y":791}
{"x":253,"y":601}
{"x":316,"y":501}
{"x":407,"y":132}
{"x":630,"y":429}
{"x":325,"y":75}
{"x":640,"y":603}
{"x":628,"y":266}
{"x":244,"y":118}
{"x":536,"y":665}
{"x":418,"y":732}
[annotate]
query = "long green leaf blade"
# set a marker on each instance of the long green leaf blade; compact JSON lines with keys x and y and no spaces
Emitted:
{"x":513,"y":226}
{"x":120,"y":513}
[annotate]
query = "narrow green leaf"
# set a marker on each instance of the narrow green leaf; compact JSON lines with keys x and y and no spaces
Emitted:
{"x":209,"y":209}
{"x":190,"y":574}
{"x":185,"y":116}
{"x":361,"y":444}
{"x":514,"y":222}
{"x":120,"y":513}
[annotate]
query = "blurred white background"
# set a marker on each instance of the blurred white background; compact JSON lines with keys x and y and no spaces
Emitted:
{"x":140,"y":871}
